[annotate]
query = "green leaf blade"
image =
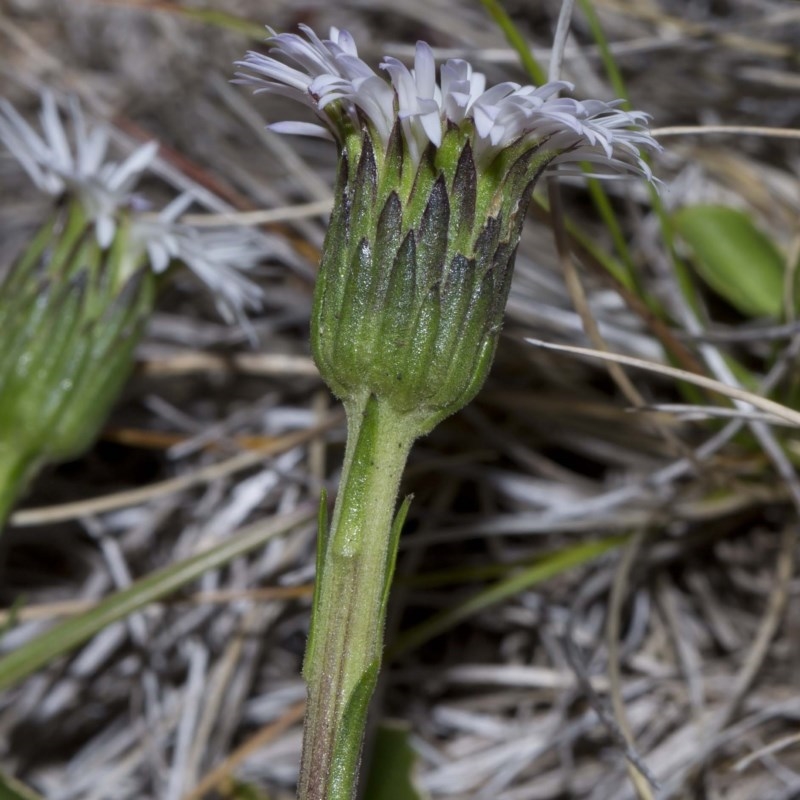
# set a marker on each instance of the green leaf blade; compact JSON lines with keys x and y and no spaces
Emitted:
{"x":391,"y":769}
{"x":735,"y":258}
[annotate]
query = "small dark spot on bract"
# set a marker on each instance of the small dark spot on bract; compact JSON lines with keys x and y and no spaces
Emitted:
{"x":399,"y":376}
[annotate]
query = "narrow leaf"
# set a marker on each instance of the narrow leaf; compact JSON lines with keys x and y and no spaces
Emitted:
{"x":555,"y":564}
{"x":350,"y":735}
{"x":67,"y":635}
{"x":391,"y":550}
{"x":322,"y":545}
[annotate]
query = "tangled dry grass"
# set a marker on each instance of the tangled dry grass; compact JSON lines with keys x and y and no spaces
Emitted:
{"x":678,"y":648}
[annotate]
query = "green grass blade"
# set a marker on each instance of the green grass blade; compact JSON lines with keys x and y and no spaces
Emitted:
{"x":67,"y":635}
{"x":226,"y":21}
{"x":516,"y":40}
{"x":606,"y":56}
{"x":12,"y":789}
{"x":547,"y":567}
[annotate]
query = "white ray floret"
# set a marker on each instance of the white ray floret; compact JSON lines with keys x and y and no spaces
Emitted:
{"x":346,"y":94}
{"x":55,"y":167}
{"x":219,"y":258}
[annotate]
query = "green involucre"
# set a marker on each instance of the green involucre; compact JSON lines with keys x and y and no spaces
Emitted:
{"x":71,"y":314}
{"x":416,"y":270}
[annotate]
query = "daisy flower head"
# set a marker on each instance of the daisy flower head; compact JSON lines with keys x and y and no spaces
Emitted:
{"x":435,"y":173}
{"x":75,"y":302}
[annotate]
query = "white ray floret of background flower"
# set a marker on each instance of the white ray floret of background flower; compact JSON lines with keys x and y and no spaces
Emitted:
{"x":217,"y":257}
{"x":105,"y":188}
{"x":346,"y":93}
{"x":102,"y":186}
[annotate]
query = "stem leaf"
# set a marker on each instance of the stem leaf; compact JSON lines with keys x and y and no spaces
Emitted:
{"x":391,"y":555}
{"x":350,"y":735}
{"x":322,"y":543}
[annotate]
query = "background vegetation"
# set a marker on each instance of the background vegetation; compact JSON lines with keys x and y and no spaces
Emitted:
{"x":596,"y":594}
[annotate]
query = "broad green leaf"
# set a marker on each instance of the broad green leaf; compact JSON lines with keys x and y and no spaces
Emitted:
{"x":12,"y":789}
{"x":65,"y":636}
{"x":735,"y":258}
{"x":391,"y":767}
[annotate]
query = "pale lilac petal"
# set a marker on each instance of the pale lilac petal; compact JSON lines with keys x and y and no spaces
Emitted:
{"x":346,"y":94}
{"x":131,"y":169}
{"x":425,"y":70}
{"x":105,"y":228}
{"x":176,"y":207}
{"x":28,"y":149}
{"x":54,"y":132}
{"x":279,"y":72}
{"x":159,"y":256}
{"x":353,"y":68}
{"x":345,"y":40}
{"x":302,"y":129}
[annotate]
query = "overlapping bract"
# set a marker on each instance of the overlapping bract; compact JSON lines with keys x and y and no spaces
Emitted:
{"x":409,"y":302}
{"x":72,"y":314}
{"x":345,"y":92}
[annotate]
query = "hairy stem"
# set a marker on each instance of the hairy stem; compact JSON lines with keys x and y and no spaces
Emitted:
{"x":356,"y":563}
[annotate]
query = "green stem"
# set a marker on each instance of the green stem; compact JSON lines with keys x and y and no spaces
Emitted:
{"x":357,"y":560}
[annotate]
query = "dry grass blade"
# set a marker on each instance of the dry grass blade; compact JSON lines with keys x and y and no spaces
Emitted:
{"x":265,"y":217}
{"x":732,"y":130}
{"x":643,"y":787}
{"x":101,"y":505}
{"x":763,"y":403}
{"x":213,"y":779}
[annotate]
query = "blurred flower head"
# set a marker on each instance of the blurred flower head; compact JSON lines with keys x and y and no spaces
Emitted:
{"x":70,"y":162}
{"x":76,"y":300}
